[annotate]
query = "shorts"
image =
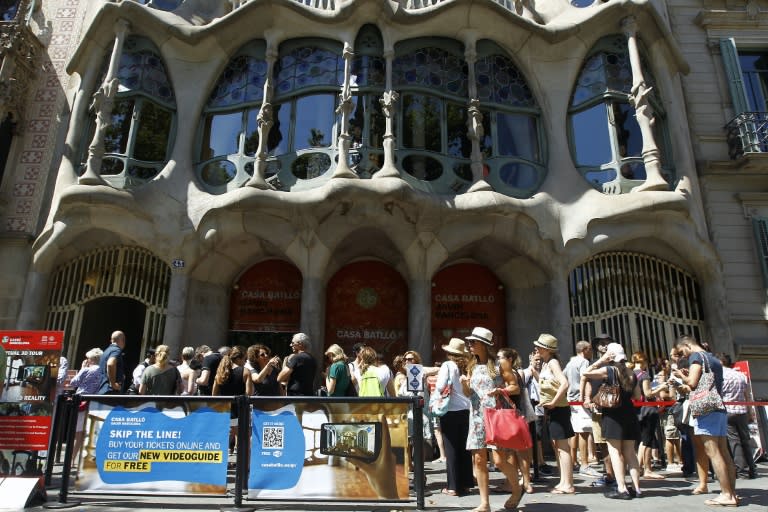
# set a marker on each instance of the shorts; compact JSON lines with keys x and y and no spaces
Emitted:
{"x":597,"y":427}
{"x":714,"y":424}
{"x":581,"y":419}
{"x":558,"y":423}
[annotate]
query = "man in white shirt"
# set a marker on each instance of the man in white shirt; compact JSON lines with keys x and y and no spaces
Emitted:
{"x":581,"y":418}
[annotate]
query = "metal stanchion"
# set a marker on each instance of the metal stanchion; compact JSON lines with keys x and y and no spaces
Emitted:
{"x":55,"y":443}
{"x":242,"y":457}
{"x":72,"y":403}
{"x":418,"y":451}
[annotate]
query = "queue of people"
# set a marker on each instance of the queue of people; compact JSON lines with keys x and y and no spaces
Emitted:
{"x":557,"y":399}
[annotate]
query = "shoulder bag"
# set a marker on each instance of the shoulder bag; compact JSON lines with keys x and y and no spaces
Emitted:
{"x":609,"y":394}
{"x":705,"y":398}
{"x":439,"y":401}
{"x":506,"y":427}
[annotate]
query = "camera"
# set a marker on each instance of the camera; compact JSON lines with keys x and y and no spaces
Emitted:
{"x":357,"y":440}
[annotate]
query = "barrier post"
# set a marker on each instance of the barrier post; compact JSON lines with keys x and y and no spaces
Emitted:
{"x":55,"y":443}
{"x":418,"y":450}
{"x":242,"y":456}
{"x":72,"y":404}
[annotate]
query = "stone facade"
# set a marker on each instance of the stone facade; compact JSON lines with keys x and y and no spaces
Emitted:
{"x":532,"y":242}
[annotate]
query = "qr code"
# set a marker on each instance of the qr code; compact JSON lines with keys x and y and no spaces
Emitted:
{"x":273,"y":437}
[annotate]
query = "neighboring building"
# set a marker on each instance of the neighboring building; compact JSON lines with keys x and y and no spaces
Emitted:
{"x":385,"y":171}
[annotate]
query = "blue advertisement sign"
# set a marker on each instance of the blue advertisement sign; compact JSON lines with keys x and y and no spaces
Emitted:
{"x":150,"y":446}
{"x":277,"y":456}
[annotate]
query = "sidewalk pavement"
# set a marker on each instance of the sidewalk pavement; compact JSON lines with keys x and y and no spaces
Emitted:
{"x":672,"y":494}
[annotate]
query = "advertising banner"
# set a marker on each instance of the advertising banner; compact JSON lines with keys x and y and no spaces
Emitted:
{"x":171,"y":447}
{"x":339,"y":451}
{"x":29,"y":366}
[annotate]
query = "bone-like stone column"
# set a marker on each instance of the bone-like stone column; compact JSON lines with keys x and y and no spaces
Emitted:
{"x":264,"y":121}
{"x":388,"y":101}
{"x":345,"y":109}
{"x":643,"y":112}
{"x":475,"y":130}
{"x":103,"y":101}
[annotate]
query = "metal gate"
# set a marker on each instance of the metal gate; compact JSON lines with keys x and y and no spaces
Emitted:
{"x":129,"y":272}
{"x":643,"y":302}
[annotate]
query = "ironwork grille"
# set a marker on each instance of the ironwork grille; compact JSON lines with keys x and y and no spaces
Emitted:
{"x":643,"y":302}
{"x":109,"y":272}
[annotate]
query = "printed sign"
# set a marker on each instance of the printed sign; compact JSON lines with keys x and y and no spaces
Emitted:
{"x":321,"y":451}
{"x":157,"y":446}
{"x":29,"y":366}
{"x":267,"y":298}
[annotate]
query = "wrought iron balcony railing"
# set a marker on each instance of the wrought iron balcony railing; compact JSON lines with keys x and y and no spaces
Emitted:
{"x":747,"y":133}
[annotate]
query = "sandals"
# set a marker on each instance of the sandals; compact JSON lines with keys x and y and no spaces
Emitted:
{"x":718,"y":503}
{"x":699,"y":490}
{"x":560,"y":491}
{"x":513,"y":502}
{"x":449,"y":492}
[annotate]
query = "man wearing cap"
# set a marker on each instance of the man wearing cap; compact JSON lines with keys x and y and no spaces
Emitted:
{"x":298,"y":375}
{"x":589,"y":388}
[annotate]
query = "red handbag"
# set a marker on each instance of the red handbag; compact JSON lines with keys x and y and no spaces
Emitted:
{"x":506,"y":427}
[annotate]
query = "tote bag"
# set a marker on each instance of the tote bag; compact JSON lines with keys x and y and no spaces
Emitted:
{"x":439,"y":401}
{"x":705,"y":398}
{"x":506,"y":427}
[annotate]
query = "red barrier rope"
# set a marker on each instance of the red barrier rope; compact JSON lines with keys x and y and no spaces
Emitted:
{"x":670,"y":403}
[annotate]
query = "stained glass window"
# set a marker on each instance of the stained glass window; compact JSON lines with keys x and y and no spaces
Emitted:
{"x":242,"y":82}
{"x":499,"y":81}
{"x":138,"y":140}
{"x":432,"y":68}
{"x":606,"y":141}
{"x":308,"y":67}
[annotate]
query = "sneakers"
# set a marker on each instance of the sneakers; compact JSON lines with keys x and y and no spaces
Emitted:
{"x":588,"y":472}
{"x":546,"y":470}
{"x":603,"y":481}
{"x":614,"y":494}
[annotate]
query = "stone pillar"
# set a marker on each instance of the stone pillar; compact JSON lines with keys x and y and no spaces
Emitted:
{"x":388,"y":101}
{"x":103,"y":101}
{"x":313,"y":314}
{"x":33,"y":303}
{"x":420,"y":317}
{"x":176,"y":312}
{"x":643,"y":112}
{"x":560,"y":314}
{"x":265,"y":120}
{"x":345,"y":109}
{"x":475,"y":130}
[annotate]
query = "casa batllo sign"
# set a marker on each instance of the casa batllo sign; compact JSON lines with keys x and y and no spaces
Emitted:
{"x":267,"y":298}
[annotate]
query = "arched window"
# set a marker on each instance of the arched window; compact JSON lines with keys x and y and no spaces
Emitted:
{"x":606,"y":142}
{"x":138,"y":142}
{"x":302,"y":142}
{"x":229,"y":132}
{"x":511,"y":144}
{"x":366,"y":123}
{"x":431,"y":76}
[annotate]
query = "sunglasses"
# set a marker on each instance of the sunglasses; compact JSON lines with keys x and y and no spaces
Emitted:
{"x":262,"y":354}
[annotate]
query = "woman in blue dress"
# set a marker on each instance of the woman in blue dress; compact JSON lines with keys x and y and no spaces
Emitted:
{"x":482,"y":385}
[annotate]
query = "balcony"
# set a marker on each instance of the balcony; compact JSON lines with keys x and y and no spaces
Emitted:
{"x":746,"y":134}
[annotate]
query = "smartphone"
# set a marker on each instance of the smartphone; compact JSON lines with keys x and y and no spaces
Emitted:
{"x":356,"y":440}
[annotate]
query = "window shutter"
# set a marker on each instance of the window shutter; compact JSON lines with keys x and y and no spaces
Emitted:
{"x":733,"y":72}
{"x":760,"y":226}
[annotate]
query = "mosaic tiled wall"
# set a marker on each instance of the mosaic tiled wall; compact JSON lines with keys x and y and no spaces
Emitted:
{"x":58,"y":25}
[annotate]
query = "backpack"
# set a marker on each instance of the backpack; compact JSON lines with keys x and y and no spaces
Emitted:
{"x":369,"y":384}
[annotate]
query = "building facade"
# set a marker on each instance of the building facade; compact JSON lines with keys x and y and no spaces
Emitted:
{"x":392,"y":172}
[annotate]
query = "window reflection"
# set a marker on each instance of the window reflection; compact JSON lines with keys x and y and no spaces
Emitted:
{"x":519,"y":175}
{"x":628,"y":135}
{"x":518,"y":136}
{"x":315,"y":118}
{"x":153,"y":133}
{"x":421,"y":122}
{"x":222,"y":132}
{"x":423,"y":167}
{"x":590,"y":136}
{"x":116,"y":135}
